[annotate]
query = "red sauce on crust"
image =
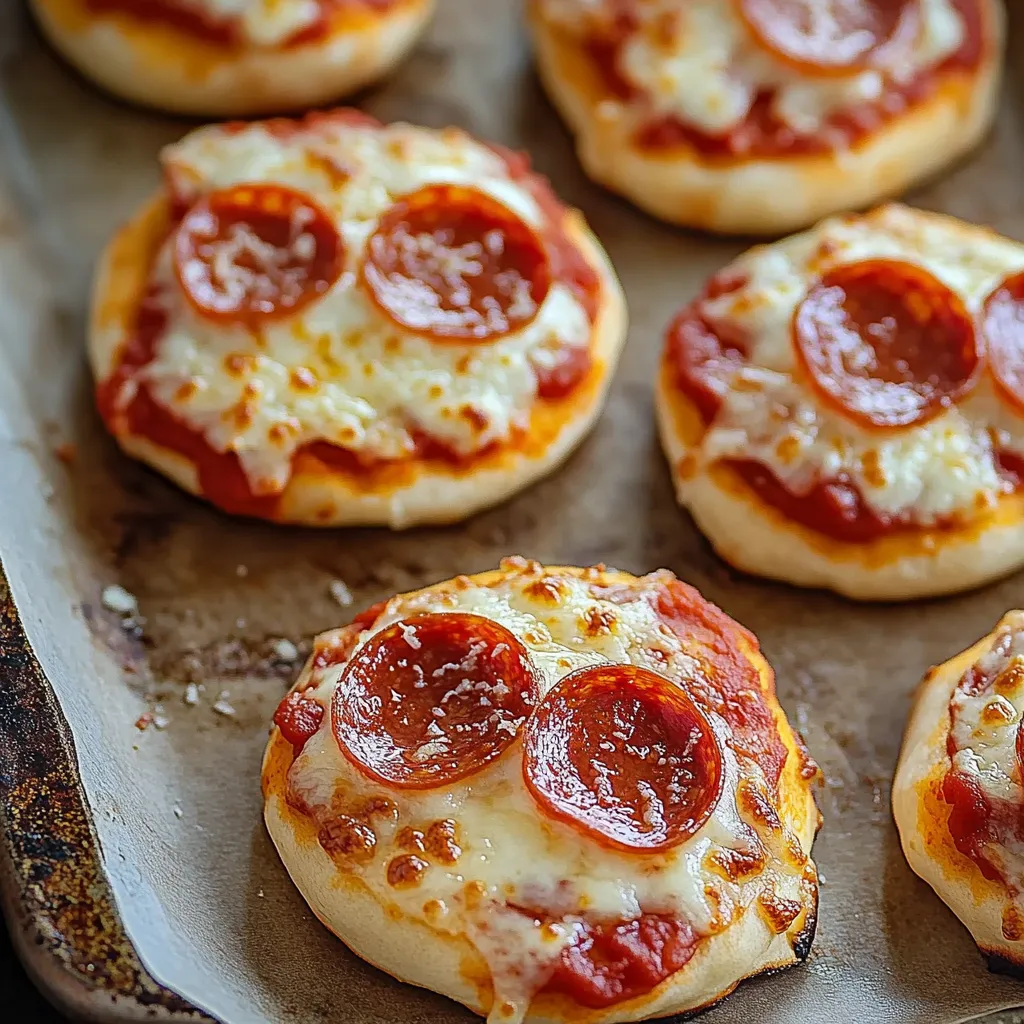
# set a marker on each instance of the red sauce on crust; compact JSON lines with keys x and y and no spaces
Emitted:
{"x":609,"y":963}
{"x":764,"y":135}
{"x":976,"y":821}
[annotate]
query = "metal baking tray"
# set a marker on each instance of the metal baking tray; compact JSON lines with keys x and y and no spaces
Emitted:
{"x":136,"y":875}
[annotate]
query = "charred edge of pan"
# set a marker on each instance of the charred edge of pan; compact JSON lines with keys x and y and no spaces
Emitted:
{"x":48,"y":847}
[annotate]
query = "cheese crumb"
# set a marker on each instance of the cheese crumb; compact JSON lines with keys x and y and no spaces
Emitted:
{"x":285,"y":650}
{"x":116,"y":599}
{"x":223,"y":706}
{"x":191,"y":695}
{"x":341,"y":593}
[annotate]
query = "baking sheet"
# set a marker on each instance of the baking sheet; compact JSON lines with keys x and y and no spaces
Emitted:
{"x":176,"y":810}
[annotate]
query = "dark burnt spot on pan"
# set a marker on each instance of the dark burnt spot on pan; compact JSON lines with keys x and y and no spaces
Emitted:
{"x":47,"y":842}
{"x":139,"y":531}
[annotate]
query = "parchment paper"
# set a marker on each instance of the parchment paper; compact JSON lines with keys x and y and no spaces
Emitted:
{"x":202,"y":894}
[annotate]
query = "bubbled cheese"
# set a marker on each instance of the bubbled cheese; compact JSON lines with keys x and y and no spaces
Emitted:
{"x":699,"y":62}
{"x":945,"y":467}
{"x":511,"y":851}
{"x":338,"y":370}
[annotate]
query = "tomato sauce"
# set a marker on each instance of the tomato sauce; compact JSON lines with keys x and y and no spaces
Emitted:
{"x":610,"y":963}
{"x":762,"y":133}
{"x":977,"y":821}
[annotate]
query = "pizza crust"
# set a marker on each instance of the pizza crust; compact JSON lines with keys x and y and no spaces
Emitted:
{"x":163,"y":67}
{"x":400,"y":495}
{"x":413,"y":952}
{"x":774,"y":195}
{"x":921,"y":816}
{"x":757,"y":538}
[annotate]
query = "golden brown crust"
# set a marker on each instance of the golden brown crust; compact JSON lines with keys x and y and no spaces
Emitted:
{"x":765,"y":196}
{"x":161,"y":66}
{"x":757,"y":538}
{"x":399,"y":495}
{"x":413,"y":952}
{"x":922,"y":815}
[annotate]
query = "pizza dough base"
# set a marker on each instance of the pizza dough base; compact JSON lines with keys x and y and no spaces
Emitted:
{"x":159,"y":66}
{"x":414,"y":952}
{"x":409,"y":494}
{"x":757,"y":538}
{"x":927,"y":844}
{"x":765,"y":196}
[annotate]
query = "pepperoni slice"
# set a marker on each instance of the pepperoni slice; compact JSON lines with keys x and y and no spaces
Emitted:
{"x":250,"y":253}
{"x":1002,"y":322}
{"x":431,"y":699}
{"x":298,"y":717}
{"x":451,"y":263}
{"x":833,"y":36}
{"x":886,"y":342}
{"x":625,"y":756}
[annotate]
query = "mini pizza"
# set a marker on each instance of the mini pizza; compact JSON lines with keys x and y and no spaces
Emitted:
{"x":958,"y":794}
{"x":232,"y":58}
{"x":333,"y":322}
{"x":553,"y":794}
{"x":845,"y":408}
{"x":761,"y":116}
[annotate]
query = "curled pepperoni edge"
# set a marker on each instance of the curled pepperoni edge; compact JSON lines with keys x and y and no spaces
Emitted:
{"x":347,"y":733}
{"x":232,"y":200}
{"x":655,"y":687}
{"x":882,"y":53}
{"x":803,"y":332}
{"x":376,"y":281}
{"x":1002,"y":316}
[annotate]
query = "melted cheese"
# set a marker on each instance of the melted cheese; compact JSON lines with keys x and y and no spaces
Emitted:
{"x":511,"y":852}
{"x":338,"y":370}
{"x":942,"y":468}
{"x":261,"y":22}
{"x":699,"y":61}
{"x":983,"y":728}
